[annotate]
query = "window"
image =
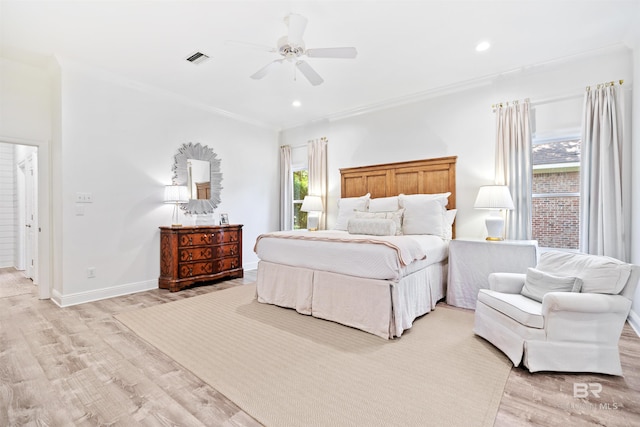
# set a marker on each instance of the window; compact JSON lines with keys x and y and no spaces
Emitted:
{"x":556,"y":193}
{"x":300,"y":189}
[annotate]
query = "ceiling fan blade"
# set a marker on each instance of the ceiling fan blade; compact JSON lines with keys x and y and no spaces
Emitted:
{"x":250,"y":45}
{"x":297,"y":24}
{"x":332,"y":52}
{"x":265,"y":70}
{"x":311,"y":75}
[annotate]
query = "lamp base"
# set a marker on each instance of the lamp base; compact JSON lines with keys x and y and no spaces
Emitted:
{"x":495,"y":226}
{"x":313,"y":221}
{"x":174,"y":218}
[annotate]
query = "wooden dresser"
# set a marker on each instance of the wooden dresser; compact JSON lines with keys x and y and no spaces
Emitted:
{"x":196,"y":254}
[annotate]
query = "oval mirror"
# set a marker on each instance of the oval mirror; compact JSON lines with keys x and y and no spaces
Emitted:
{"x":197,"y":167}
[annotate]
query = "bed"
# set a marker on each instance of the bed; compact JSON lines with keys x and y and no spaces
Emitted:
{"x":385,"y":262}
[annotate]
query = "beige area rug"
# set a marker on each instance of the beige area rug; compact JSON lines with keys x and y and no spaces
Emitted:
{"x":288,"y":369}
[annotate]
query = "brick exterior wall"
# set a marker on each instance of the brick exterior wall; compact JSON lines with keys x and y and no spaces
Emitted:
{"x":556,"y":219}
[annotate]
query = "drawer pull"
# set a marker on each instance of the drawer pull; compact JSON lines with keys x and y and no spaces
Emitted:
{"x":190,"y":256}
{"x":190,"y":240}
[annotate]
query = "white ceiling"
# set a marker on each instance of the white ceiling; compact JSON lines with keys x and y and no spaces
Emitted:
{"x":405,"y":48}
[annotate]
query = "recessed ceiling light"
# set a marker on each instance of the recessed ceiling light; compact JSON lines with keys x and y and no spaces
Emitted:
{"x":482,"y":46}
{"x":296,"y":103}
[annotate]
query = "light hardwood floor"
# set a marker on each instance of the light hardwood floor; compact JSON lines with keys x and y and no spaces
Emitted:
{"x":78,"y":366}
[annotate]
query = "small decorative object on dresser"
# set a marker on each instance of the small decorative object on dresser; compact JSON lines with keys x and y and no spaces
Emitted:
{"x":195,"y":254}
{"x":224,"y":219}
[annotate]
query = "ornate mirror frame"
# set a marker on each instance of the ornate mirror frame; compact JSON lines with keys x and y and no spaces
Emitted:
{"x":180,"y":176}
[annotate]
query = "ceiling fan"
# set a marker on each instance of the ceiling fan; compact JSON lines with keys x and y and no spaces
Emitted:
{"x":292,"y":48}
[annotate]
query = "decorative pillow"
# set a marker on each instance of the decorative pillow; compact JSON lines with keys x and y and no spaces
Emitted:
{"x":538,"y":283}
{"x":449,"y":217}
{"x":347,"y":208}
{"x":372,"y":226}
{"x":396,"y":216}
{"x":599,"y":274}
{"x":442,"y":197}
{"x":384,"y":204}
{"x":424,"y":213}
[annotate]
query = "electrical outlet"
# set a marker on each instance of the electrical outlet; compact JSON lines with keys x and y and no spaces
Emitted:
{"x":84,"y":197}
{"x":91,"y":272}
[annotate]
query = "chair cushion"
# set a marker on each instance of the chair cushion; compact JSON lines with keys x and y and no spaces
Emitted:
{"x":518,"y":307}
{"x":538,"y":283}
{"x":599,"y":274}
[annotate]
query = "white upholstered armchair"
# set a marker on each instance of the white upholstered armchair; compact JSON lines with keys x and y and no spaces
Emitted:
{"x":566,"y":314}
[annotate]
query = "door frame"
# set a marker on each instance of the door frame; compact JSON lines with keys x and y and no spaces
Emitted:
{"x":42,"y":277}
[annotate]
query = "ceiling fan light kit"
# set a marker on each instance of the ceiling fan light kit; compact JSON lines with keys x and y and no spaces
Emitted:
{"x":292,"y":48}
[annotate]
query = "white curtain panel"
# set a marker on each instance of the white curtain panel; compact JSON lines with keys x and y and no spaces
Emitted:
{"x":601,"y":216}
{"x":317,"y":152}
{"x":286,"y":188}
{"x":513,"y":165}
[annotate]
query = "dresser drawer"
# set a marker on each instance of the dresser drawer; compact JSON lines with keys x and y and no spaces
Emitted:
{"x":196,"y":254}
{"x":208,"y":252}
{"x":228,"y":264}
{"x":227,"y":250}
{"x":208,"y":238}
{"x":195,"y":269}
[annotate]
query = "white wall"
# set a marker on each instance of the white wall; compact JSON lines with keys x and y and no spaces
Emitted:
{"x":117,"y":141}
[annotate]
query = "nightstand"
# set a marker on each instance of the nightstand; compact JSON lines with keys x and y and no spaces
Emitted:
{"x":471,"y":262}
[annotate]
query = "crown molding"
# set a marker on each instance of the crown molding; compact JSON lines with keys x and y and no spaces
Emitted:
{"x":457,"y":87}
{"x":68,"y":63}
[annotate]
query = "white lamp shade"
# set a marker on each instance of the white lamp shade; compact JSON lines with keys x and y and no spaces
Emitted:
{"x":311,"y":204}
{"x":176,"y":194}
{"x":494,"y":197}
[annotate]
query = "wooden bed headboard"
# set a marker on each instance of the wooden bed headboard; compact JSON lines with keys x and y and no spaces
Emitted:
{"x":413,"y":177}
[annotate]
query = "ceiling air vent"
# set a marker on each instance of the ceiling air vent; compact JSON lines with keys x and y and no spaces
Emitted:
{"x":197,"y":58}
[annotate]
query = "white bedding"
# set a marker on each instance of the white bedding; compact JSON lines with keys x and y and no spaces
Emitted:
{"x":329,"y":250}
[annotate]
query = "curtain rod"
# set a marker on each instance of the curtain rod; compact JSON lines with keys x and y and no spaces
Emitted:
{"x":556,"y":98}
{"x":606,"y":84}
{"x":294,"y":146}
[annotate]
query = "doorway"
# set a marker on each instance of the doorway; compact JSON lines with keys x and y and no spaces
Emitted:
{"x":21,"y":249}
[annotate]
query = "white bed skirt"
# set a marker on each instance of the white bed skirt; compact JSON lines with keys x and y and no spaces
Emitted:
{"x":382,"y":307}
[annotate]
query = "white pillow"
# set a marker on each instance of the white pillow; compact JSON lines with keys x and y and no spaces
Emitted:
{"x":449,"y":216}
{"x":599,"y":274}
{"x":395,"y":216}
{"x":372,"y":226}
{"x":424,"y":213}
{"x":384,"y":204}
{"x":538,"y":283}
{"x":442,"y":197}
{"x":347,"y":208}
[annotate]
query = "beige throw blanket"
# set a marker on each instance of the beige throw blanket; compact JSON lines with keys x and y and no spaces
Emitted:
{"x":407,"y":249}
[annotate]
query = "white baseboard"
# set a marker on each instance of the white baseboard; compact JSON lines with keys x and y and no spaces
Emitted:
{"x":634,"y":321}
{"x":250,"y":266}
{"x":99,"y":294}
